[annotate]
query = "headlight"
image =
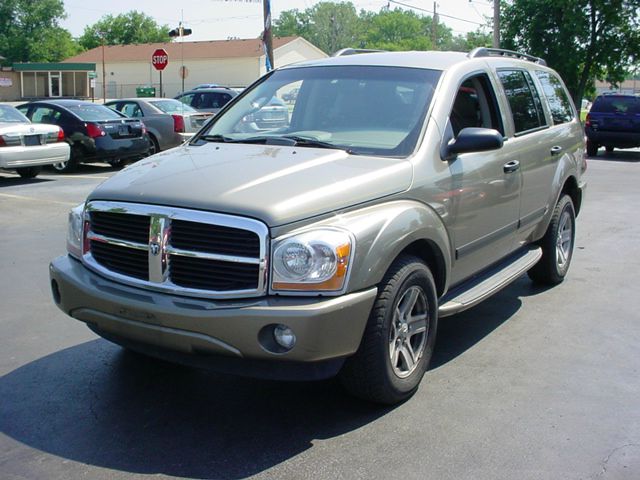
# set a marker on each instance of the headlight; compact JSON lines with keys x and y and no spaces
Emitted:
{"x":313,"y":261}
{"x":74,"y":232}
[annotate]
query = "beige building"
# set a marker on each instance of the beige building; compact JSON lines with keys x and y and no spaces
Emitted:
{"x":234,"y":63}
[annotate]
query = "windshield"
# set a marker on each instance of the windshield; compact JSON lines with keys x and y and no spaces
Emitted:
{"x":172,"y":106}
{"x":94,"y":113}
{"x":367,"y":110}
{"x":10,"y":114}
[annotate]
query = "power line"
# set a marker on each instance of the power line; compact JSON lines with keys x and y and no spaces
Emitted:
{"x":439,"y":14}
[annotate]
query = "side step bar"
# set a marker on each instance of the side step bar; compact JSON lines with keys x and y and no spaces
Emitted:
{"x":489,"y":282}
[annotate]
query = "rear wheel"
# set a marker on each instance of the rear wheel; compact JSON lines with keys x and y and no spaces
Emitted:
{"x":29,"y":172}
{"x":116,"y":163}
{"x":70,"y":165}
{"x":557,"y":245}
{"x":154,"y":146}
{"x":398,"y":341}
{"x":592,"y":148}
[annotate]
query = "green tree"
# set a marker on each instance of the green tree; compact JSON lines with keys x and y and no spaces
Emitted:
{"x":469,"y":41}
{"x":30,"y":31}
{"x":581,"y":39}
{"x":124,"y":29}
{"x":329,"y":26}
{"x":396,"y":30}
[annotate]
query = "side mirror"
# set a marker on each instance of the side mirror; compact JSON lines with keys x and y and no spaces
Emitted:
{"x":472,"y":139}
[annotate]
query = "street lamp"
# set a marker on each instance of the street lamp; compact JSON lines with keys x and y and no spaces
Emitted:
{"x":181,"y":32}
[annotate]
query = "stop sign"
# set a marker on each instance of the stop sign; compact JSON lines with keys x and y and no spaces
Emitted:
{"x":160,"y":59}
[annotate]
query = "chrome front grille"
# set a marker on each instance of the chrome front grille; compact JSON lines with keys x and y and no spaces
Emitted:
{"x":186,"y":252}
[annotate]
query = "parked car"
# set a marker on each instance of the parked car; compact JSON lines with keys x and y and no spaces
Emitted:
{"x":26,"y":147}
{"x":613,"y":122}
{"x":291,"y":95}
{"x":408,"y":186}
{"x":273,"y":114}
{"x":169,"y":122}
{"x":96,"y":133}
{"x":206,"y":85}
{"x":208,"y":99}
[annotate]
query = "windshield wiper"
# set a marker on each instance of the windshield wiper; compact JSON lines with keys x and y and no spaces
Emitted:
{"x":313,"y":142}
{"x":288,"y":140}
{"x":215,"y":138}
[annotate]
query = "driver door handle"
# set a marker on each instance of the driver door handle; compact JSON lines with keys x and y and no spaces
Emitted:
{"x":511,"y":166}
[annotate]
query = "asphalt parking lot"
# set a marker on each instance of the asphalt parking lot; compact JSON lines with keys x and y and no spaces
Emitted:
{"x":532,"y":384}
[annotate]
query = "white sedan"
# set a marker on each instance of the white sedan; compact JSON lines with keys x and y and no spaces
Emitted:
{"x":25,"y":147}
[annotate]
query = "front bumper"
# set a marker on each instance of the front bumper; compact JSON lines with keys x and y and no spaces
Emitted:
{"x":183,"y":329}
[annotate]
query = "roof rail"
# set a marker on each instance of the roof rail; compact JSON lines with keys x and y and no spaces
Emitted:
{"x":500,"y":52}
{"x":354,"y":51}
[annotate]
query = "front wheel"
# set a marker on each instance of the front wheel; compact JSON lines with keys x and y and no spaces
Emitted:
{"x":557,"y":245}
{"x":592,"y":148}
{"x":29,"y":172}
{"x":398,"y":341}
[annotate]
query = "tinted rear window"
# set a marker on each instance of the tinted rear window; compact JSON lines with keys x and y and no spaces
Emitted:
{"x":93,"y":113}
{"x":616,"y":104}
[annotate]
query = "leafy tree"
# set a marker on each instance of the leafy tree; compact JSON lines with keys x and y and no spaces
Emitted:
{"x":124,"y":29}
{"x":329,"y":26}
{"x":581,"y":39}
{"x":30,"y":32}
{"x":332,"y":26}
{"x":396,"y":30}
{"x":469,"y":41}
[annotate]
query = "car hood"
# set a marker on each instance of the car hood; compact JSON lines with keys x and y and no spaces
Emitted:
{"x":275,"y":184}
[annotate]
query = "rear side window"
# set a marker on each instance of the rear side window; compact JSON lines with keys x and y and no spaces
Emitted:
{"x":616,"y":104}
{"x":524,"y":100}
{"x":559,"y":103}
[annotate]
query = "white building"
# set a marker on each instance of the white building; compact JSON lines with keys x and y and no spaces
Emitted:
{"x":234,"y":63}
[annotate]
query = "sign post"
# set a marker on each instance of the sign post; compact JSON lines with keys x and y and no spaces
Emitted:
{"x":160,"y":60}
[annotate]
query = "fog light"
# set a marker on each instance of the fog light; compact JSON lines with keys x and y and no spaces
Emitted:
{"x":284,"y":336}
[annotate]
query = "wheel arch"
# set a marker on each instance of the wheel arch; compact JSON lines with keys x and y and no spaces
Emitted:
{"x":385,"y":232}
{"x":570,"y":187}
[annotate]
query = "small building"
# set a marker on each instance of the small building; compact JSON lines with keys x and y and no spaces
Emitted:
{"x":233,"y":63}
{"x":42,"y":80}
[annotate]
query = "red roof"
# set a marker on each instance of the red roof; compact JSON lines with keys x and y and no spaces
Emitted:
{"x":248,"y":48}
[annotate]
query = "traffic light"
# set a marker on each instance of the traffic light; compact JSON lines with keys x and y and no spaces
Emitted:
{"x":180,"y":32}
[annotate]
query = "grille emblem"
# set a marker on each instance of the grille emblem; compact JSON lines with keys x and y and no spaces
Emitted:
{"x":154,"y":248}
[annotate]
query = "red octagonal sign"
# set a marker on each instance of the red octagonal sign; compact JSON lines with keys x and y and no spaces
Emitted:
{"x":160,"y":59}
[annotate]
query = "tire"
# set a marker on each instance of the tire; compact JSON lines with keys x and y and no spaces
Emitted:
{"x":70,"y":165}
{"x":608,"y":149}
{"x":557,"y":245}
{"x":116,"y":163}
{"x":592,"y":148}
{"x":391,"y":360}
{"x":29,"y":172}
{"x":154,"y":146}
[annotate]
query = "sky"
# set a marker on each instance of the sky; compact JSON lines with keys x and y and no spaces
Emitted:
{"x":222,"y":19}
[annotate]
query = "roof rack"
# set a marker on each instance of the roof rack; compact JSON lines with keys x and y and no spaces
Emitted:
{"x":500,"y":52}
{"x":354,"y":51}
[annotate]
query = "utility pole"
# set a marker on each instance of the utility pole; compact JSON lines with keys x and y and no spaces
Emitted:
{"x":434,"y":27}
{"x":104,"y":75}
{"x":266,"y":35}
{"x":181,"y":32}
{"x":496,"y":23}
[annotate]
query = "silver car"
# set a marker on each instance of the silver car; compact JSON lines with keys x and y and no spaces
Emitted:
{"x":25,"y":147}
{"x":169,"y":122}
